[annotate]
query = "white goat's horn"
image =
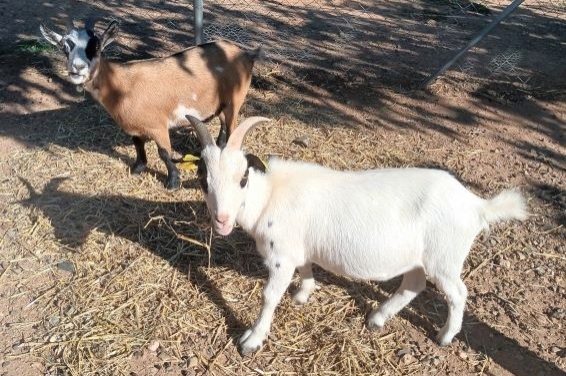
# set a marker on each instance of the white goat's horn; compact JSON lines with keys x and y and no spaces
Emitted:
{"x":237,"y":137}
{"x":202,"y":132}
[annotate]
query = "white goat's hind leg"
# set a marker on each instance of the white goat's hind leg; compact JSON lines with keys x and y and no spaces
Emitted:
{"x":307,"y":286}
{"x":456,"y":293}
{"x":413,"y":283}
{"x":280,"y":276}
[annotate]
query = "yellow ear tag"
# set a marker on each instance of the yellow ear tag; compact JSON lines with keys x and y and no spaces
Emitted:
{"x":189,"y":162}
{"x":264,"y":164}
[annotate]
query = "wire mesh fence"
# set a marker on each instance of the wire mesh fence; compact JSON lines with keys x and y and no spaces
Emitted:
{"x":347,"y":22}
{"x":394,"y":44}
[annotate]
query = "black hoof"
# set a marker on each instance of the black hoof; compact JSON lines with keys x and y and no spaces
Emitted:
{"x":137,"y":168}
{"x":173,"y":183}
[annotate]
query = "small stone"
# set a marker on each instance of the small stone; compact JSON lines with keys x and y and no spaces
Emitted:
{"x":37,"y":365}
{"x":153,"y":346}
{"x":462,"y":355}
{"x":555,"y":349}
{"x":66,"y":266}
{"x":302,"y":141}
{"x":407,"y":359}
{"x":193,"y":362}
{"x":403,"y":351}
{"x":522,"y":256}
{"x":558,"y":313}
{"x":54,"y":320}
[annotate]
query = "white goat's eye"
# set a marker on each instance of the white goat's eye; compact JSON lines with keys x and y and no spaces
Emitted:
{"x":244,"y":180}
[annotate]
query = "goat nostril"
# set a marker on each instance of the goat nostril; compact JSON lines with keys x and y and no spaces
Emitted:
{"x":222,"y":218}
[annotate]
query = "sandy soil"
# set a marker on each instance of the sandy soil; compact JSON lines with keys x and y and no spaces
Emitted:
{"x":79,"y":235}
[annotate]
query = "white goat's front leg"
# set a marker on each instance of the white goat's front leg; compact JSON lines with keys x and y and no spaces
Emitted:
{"x":307,"y":286}
{"x":414,"y":282}
{"x":280,"y":276}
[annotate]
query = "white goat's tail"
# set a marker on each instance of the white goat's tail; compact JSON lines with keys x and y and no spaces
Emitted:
{"x":509,"y":204}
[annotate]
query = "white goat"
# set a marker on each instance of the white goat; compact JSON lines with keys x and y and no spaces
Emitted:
{"x":147,"y":97}
{"x":373,"y":225}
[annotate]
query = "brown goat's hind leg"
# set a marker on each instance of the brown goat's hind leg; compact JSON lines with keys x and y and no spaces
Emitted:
{"x":140,"y":164}
{"x":173,"y":179}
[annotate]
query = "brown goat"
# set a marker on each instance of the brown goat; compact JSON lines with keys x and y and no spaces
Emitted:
{"x":147,"y":97}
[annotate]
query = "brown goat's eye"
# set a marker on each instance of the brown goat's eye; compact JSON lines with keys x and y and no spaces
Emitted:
{"x":244,"y":180}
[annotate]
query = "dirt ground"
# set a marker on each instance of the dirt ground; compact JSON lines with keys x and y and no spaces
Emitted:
{"x":105,"y":273}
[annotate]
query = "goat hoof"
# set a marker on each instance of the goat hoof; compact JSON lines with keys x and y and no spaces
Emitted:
{"x":248,"y":350}
{"x":173,"y":183}
{"x":137,"y":169}
{"x":443,"y":339}
{"x":301,"y":298}
{"x":376,"y":321}
{"x":373,"y":327}
{"x":249,"y":343}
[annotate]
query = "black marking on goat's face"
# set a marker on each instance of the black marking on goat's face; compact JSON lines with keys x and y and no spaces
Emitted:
{"x":271,"y":244}
{"x":93,"y":46}
{"x":269,"y":222}
{"x":277,"y":265}
{"x":202,"y":175}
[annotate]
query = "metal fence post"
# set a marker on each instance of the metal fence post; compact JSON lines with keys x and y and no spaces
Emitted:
{"x":197,"y":13}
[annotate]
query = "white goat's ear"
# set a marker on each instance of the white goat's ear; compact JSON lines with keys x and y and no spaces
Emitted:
{"x":237,"y":137}
{"x":202,"y":132}
{"x":51,"y":36}
{"x":109,"y":35}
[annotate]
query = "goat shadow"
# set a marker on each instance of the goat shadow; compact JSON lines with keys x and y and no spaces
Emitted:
{"x":109,"y":213}
{"x":74,"y":216}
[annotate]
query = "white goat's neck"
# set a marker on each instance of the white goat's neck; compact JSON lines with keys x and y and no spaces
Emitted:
{"x":257,"y":198}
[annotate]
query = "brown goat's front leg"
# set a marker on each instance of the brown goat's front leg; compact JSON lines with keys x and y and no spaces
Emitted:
{"x":141,"y":159}
{"x":223,"y":134}
{"x":173,"y":180}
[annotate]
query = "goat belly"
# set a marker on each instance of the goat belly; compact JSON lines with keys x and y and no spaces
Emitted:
{"x":371,"y":258}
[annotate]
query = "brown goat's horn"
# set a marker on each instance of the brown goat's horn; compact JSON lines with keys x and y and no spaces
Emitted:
{"x":200,"y":129}
{"x":237,"y":137}
{"x":69,"y":24}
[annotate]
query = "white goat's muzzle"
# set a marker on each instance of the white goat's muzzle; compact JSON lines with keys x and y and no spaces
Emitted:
{"x":78,"y":71}
{"x":78,"y":78}
{"x":222,"y":228}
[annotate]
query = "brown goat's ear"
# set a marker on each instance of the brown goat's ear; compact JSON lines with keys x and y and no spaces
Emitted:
{"x":237,"y":137}
{"x":202,"y":132}
{"x":51,"y":36}
{"x":255,"y":162}
{"x":109,"y":35}
{"x":90,"y":23}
